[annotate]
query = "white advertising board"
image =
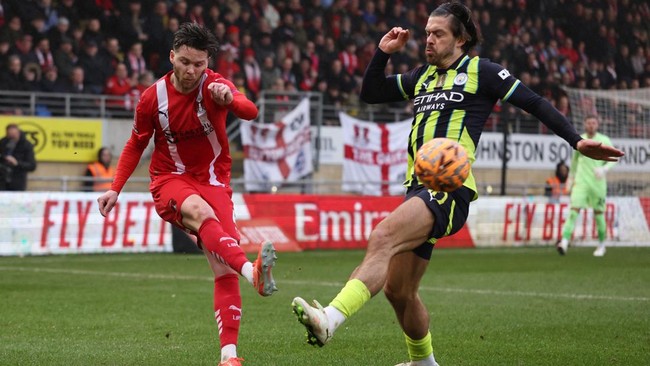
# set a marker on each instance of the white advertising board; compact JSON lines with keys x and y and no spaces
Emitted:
{"x":33,"y":223}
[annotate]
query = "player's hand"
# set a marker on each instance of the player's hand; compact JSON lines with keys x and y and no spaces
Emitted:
{"x":599,"y":172}
{"x":596,"y":150}
{"x":220,"y":93}
{"x":106,"y":202}
{"x":394,"y":40}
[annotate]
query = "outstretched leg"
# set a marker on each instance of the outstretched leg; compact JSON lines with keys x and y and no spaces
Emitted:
{"x":401,"y":290}
{"x":403,"y":230}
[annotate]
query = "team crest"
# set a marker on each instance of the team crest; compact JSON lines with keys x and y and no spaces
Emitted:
{"x":460,"y":79}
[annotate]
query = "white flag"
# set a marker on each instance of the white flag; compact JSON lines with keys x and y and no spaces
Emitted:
{"x":277,"y":152}
{"x":374,"y":154}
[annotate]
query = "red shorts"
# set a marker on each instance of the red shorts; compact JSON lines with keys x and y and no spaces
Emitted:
{"x":170,"y":191}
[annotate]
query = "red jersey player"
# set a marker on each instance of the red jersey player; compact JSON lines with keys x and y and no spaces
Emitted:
{"x":185,"y":112}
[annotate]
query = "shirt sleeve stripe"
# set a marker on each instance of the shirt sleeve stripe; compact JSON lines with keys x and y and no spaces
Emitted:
{"x":401,"y":89}
{"x":512,"y":89}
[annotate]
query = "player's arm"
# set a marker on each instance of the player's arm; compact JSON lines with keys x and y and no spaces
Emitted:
{"x":376,"y":87}
{"x":130,"y":156}
{"x":224,"y":93}
{"x":539,"y":107}
{"x":497,"y":82}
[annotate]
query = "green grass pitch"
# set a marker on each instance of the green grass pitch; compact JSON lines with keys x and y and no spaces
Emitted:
{"x":517,"y":306}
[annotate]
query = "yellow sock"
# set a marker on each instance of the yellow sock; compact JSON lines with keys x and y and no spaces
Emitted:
{"x":351,"y":298}
{"x":419,"y":349}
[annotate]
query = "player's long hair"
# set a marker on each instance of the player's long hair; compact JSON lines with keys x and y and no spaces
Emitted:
{"x":196,"y":36}
{"x":462,"y":24}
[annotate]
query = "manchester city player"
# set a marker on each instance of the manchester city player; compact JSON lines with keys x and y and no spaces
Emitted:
{"x":453,"y":95}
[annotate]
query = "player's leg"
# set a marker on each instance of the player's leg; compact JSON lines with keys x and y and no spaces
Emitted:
{"x":402,"y":230}
{"x":258,"y":273}
{"x":227,"y":305}
{"x":179,"y":200}
{"x":579,"y":200}
{"x":422,"y":216}
{"x":199,"y":217}
{"x":599,"y":206}
{"x":401,"y":290}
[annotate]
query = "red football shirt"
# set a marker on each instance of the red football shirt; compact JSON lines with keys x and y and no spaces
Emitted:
{"x":189,"y":132}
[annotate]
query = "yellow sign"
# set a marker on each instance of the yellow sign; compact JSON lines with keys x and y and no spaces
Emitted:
{"x":59,"y":139}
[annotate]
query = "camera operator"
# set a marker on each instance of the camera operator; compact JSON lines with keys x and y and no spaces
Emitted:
{"x":16,"y":159}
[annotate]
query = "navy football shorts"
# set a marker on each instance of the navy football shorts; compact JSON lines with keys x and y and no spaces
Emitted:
{"x":449,"y":209}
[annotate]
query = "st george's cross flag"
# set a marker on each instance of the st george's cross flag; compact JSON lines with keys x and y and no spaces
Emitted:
{"x":374,"y":156}
{"x":279,"y":152}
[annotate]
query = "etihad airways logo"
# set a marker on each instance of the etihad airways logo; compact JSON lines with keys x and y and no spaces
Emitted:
{"x":436,"y":101}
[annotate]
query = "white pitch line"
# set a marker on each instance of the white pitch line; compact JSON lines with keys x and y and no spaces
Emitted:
{"x":330,"y":284}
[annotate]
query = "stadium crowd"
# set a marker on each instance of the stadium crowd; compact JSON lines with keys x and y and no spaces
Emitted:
{"x":119,"y":47}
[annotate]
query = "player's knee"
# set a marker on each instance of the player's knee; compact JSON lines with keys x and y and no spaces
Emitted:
{"x":380,"y":239}
{"x":197,"y":210}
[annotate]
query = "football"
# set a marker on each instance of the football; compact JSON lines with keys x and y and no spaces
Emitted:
{"x":442,"y":165}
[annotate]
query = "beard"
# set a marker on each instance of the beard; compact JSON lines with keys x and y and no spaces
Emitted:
{"x":437,"y":58}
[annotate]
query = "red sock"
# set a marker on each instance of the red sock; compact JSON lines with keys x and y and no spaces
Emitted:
{"x":227,"y":308}
{"x":222,"y":244}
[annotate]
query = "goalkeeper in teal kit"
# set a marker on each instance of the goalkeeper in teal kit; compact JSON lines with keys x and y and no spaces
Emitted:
{"x":589,"y":188}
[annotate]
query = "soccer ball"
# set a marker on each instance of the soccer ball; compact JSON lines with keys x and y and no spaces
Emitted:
{"x":442,"y":164}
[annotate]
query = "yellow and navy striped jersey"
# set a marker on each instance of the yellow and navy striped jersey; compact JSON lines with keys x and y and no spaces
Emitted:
{"x":453,"y":103}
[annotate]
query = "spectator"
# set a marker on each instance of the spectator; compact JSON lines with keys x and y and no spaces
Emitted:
{"x":49,"y":13}
{"x":93,"y":34}
{"x":265,"y":48}
{"x":226,"y":63}
{"x":70,"y":11}
{"x":135,"y":61}
{"x":50,"y":82}
{"x":32,"y":76}
{"x":348,"y":58}
{"x":36,"y":27}
{"x":287,"y":72}
{"x":167,"y":43}
{"x":75,"y":83}
{"x":4,"y":52}
{"x":306,"y":76}
{"x":101,"y":172}
{"x":95,"y":68}
{"x":556,"y":185}
{"x":112,"y":53}
{"x":196,"y":14}
{"x":65,"y":58}
{"x":11,"y":77}
{"x":13,"y":30}
{"x":130,"y":24}
{"x":16,"y":159}
{"x":269,"y":73}
{"x":154,"y":27}
{"x":269,"y":12}
{"x":145,"y":80}
{"x":43,"y":53}
{"x":58,"y":32}
{"x":179,"y":11}
{"x":252,"y":73}
{"x":120,"y":85}
{"x":23,"y":48}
